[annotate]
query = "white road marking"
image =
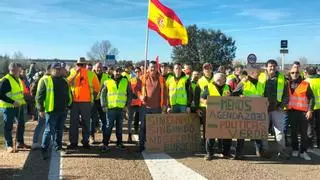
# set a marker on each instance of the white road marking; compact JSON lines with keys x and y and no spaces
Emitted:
{"x":55,"y":168}
{"x":162,"y":166}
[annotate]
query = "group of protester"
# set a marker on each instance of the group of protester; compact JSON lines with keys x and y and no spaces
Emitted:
{"x":94,"y":93}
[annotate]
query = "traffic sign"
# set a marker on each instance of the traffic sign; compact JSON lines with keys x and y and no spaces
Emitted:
{"x":252,"y":59}
{"x":110,"y":60}
{"x":284,"y":43}
{"x":284,"y":51}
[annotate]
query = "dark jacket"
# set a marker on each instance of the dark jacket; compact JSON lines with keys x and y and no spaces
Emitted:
{"x":61,"y":95}
{"x":5,"y":87}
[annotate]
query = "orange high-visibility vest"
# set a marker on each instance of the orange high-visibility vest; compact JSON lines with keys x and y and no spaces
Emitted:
{"x":25,"y":88}
{"x":298,"y":100}
{"x":135,"y":102}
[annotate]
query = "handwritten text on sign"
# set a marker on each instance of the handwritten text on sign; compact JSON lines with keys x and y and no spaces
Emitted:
{"x":237,"y":118}
{"x":173,"y":132}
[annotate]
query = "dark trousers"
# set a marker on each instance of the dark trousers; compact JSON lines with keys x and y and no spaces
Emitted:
{"x":316,"y":114}
{"x":113,"y":116}
{"x":82,"y":109}
{"x":9,"y":115}
{"x":96,"y":113}
{"x":240,"y":146}
{"x":203,"y":120}
{"x":144,"y":111}
{"x":225,"y":142}
{"x":299,"y":124}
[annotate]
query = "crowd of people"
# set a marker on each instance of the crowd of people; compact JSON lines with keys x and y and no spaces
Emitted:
{"x":98,"y":96}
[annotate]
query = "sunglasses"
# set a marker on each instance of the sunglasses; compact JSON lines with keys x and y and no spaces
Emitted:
{"x":294,"y":72}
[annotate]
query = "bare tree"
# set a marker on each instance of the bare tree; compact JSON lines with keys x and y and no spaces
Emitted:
{"x":100,"y":49}
{"x":17,"y":55}
{"x":303,"y":61}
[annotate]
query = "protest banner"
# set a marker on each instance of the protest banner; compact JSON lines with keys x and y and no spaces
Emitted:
{"x":237,"y":118}
{"x":172,"y":133}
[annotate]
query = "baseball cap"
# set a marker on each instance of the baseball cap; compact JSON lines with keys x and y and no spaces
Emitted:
{"x":207,"y":66}
{"x":56,"y":66}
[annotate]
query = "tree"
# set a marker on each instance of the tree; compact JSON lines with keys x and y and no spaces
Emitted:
{"x":303,"y":61}
{"x":100,"y":49}
{"x":205,"y":45}
{"x":17,"y":55}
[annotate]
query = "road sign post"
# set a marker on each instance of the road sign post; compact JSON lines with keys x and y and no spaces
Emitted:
{"x":283,"y":50}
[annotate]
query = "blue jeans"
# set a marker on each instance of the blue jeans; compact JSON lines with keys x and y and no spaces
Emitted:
{"x":113,"y":115}
{"x":144,"y":111}
{"x":54,"y":129}
{"x":179,"y":108}
{"x":38,"y":131}
{"x":132,"y":110}
{"x":9,"y":115}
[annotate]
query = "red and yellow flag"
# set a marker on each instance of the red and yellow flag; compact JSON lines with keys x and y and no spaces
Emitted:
{"x":165,"y":21}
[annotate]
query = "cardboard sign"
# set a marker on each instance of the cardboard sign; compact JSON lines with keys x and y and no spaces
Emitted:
{"x":237,"y":118}
{"x":172,"y":132}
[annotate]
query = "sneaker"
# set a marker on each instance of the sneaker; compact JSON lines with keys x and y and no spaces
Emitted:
{"x":283,"y":155}
{"x":23,"y":146}
{"x":9,"y":149}
{"x":36,"y":146}
{"x":305,"y":156}
{"x":208,"y":157}
{"x":121,"y":147}
{"x":295,"y":153}
{"x":227,"y":156}
{"x":262,"y":154}
{"x":58,"y":148}
{"x":44,"y":153}
{"x":105,"y":149}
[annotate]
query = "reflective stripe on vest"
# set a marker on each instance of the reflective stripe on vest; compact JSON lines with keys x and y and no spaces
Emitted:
{"x":177,"y":91}
{"x":117,"y":97}
{"x":203,"y":82}
{"x":298,"y":100}
{"x":213,"y":91}
{"x":315,"y":87}
{"x":250,"y":90}
{"x":49,"y":101}
{"x":280,"y":84}
{"x":16,"y":93}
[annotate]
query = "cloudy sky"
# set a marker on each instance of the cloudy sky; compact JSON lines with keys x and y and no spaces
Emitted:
{"x":67,"y":28}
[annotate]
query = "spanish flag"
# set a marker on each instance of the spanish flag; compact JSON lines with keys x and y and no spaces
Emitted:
{"x":165,"y":21}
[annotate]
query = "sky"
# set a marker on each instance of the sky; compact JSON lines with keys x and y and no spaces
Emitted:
{"x":66,"y":29}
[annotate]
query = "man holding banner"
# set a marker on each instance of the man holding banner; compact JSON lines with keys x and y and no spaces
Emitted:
{"x":217,"y":88}
{"x":250,"y":87}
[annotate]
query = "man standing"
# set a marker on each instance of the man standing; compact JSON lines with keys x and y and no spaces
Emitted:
{"x":234,"y":79}
{"x":135,"y":106}
{"x":164,"y":71}
{"x":300,"y":108}
{"x":11,"y":106}
{"x":154,"y":98}
{"x":97,"y":110}
{"x":194,"y":81}
{"x":53,"y":98}
{"x":314,"y":80}
{"x":187,"y":70}
{"x":217,"y":88}
{"x":85,"y":87}
{"x":179,"y":91}
{"x":276,"y":90}
{"x":202,"y":83}
{"x":115,"y":96}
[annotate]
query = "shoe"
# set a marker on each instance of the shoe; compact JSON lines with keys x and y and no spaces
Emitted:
{"x":208,"y":157}
{"x":23,"y":146}
{"x":86,"y":146}
{"x":262,"y":154}
{"x":72,"y":146}
{"x":227,"y":156}
{"x":283,"y":155}
{"x":44,"y":153}
{"x":130,"y":139}
{"x":141,"y":149}
{"x":9,"y":149}
{"x":295,"y":153}
{"x":58,"y":148}
{"x":121,"y":147}
{"x":305,"y":156}
{"x":36,"y":146}
{"x":105,"y":149}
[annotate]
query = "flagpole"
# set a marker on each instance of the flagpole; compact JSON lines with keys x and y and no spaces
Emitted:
{"x":146,"y":54}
